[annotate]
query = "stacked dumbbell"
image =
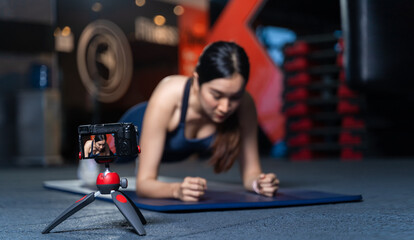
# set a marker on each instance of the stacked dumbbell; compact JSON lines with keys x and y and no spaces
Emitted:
{"x":322,"y":113}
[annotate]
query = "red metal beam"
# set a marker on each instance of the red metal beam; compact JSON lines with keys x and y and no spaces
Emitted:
{"x":265,"y":83}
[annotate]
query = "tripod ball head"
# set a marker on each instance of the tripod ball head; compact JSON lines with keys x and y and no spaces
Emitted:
{"x":106,"y":182}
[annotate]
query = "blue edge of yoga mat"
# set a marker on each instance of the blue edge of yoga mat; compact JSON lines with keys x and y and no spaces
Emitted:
{"x":230,"y":199}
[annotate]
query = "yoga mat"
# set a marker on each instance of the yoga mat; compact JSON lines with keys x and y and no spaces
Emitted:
{"x":219,"y":196}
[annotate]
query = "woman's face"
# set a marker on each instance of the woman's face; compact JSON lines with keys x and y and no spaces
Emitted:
{"x":221,"y":97}
{"x":100,"y":145}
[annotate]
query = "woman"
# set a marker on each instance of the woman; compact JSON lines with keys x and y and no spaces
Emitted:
{"x":97,"y":147}
{"x":210,"y":111}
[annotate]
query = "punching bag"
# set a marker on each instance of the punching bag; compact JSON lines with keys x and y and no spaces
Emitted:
{"x":379,"y":46}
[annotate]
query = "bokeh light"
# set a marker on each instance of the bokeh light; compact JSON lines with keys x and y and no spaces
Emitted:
{"x":159,"y":20}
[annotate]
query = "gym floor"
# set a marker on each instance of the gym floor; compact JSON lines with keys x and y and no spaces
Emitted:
{"x":386,"y":212}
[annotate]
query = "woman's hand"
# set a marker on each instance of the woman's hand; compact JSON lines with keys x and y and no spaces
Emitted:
{"x":191,"y":189}
{"x":266,"y":184}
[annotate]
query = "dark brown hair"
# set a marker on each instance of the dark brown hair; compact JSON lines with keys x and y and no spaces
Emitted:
{"x":222,"y":60}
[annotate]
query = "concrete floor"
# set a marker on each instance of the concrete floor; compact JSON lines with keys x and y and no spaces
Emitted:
{"x":387,"y":211}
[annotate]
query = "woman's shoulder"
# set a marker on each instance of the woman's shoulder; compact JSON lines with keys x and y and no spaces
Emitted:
{"x":88,"y":144}
{"x":169,"y":92}
{"x":172,"y":85}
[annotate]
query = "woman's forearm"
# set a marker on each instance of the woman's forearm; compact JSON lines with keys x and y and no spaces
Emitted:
{"x":157,"y":189}
{"x":248,"y":182}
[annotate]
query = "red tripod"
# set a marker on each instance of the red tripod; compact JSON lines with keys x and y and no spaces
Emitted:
{"x":108,"y":183}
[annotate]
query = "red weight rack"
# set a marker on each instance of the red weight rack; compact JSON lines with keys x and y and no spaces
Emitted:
{"x":323,"y":116}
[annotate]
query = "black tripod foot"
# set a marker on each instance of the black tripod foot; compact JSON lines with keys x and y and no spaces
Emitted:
{"x":130,"y":211}
{"x":78,"y":205}
{"x":143,"y":220}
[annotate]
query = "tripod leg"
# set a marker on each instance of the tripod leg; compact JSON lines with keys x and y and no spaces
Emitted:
{"x":126,"y":208}
{"x":143,"y":220}
{"x":78,"y":205}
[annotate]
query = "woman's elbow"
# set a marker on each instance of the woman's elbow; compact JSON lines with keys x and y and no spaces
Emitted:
{"x":139,"y":186}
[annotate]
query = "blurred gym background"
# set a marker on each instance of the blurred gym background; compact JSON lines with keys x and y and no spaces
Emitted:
{"x":331,"y":79}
